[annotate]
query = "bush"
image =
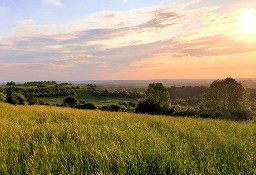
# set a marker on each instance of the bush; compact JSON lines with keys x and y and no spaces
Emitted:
{"x":209,"y":114}
{"x":16,"y":99}
{"x":241,"y":114}
{"x":104,"y":108}
{"x":132,"y":104}
{"x":148,"y":107}
{"x":87,"y":106}
{"x":2,"y":96}
{"x":112,"y":108}
{"x":185,"y":112}
{"x":170,"y":111}
{"x":70,"y":101}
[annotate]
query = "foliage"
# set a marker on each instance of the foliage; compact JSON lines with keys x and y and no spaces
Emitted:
{"x":112,"y":108}
{"x":50,"y":91}
{"x":156,"y":101}
{"x":31,"y":99}
{"x":241,"y":114}
{"x":184,"y":111}
{"x":86,"y":106}
{"x":116,"y":94}
{"x":70,"y":101}
{"x":11,"y":83}
{"x":190,"y":101}
{"x":52,"y":140}
{"x":186,"y":95}
{"x":40,"y":83}
{"x":148,"y":107}
{"x":2,"y":96}
{"x":223,"y":96}
{"x":209,"y":114}
{"x":16,"y":99}
{"x":158,"y":93}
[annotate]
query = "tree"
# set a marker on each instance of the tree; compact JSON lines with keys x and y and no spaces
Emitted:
{"x":31,"y":99}
{"x":70,"y":101}
{"x":156,"y":101}
{"x":224,"y":96}
{"x":11,"y":83}
{"x":2,"y":96}
{"x":158,"y":93}
{"x":16,"y":99}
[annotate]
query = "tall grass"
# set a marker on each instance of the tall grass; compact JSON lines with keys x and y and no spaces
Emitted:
{"x":51,"y":140}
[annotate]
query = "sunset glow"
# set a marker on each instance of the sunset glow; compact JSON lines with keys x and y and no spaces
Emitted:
{"x":132,"y":39}
{"x":248,"y":22}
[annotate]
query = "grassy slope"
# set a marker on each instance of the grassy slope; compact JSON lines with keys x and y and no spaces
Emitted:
{"x":44,"y":140}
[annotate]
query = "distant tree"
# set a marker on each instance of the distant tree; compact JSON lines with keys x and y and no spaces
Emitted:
{"x":156,"y":101}
{"x":11,"y":83}
{"x":91,"y":87}
{"x":31,"y":99}
{"x":16,"y":99}
{"x":70,"y":101}
{"x":224,"y":96}
{"x":2,"y":96}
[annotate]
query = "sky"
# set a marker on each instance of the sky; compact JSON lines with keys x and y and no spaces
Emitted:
{"x":127,"y":39}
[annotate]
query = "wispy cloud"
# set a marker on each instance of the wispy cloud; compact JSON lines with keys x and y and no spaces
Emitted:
{"x":53,"y":2}
{"x":118,"y":45}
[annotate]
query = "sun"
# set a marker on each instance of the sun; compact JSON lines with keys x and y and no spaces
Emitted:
{"x":247,"y":22}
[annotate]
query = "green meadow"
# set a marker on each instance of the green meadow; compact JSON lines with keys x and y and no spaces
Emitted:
{"x":83,"y":94}
{"x":51,"y":140}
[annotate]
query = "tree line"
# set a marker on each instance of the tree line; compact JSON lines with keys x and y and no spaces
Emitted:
{"x":224,"y":99}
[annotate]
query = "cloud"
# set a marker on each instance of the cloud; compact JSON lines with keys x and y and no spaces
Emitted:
{"x":122,"y":44}
{"x":53,"y":2}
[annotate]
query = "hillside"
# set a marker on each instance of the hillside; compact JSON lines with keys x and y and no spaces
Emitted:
{"x":51,"y":140}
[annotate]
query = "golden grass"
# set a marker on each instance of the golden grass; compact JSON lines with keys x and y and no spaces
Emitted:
{"x":52,"y":140}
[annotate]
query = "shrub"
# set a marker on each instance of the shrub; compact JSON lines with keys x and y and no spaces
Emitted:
{"x":16,"y":99}
{"x":240,"y":114}
{"x":149,"y":107}
{"x":2,"y":96}
{"x":112,"y":108}
{"x":87,"y":106}
{"x":132,"y":104}
{"x":209,"y":114}
{"x":104,"y":108}
{"x":185,"y":111}
{"x":70,"y":101}
{"x":170,"y":111}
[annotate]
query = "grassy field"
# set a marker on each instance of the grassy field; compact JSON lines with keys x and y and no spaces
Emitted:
{"x":83,"y":94}
{"x":51,"y":140}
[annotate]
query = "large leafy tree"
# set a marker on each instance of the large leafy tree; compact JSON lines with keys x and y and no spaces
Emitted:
{"x":224,"y":96}
{"x":159,"y":94}
{"x":156,"y":101}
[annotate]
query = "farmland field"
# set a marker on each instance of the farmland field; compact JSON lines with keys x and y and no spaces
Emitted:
{"x":52,"y":140}
{"x":84,"y":94}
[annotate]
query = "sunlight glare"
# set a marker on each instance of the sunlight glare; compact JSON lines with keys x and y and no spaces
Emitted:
{"x":248,"y":22}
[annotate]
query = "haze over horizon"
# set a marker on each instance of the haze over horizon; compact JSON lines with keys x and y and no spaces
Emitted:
{"x":127,"y":39}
